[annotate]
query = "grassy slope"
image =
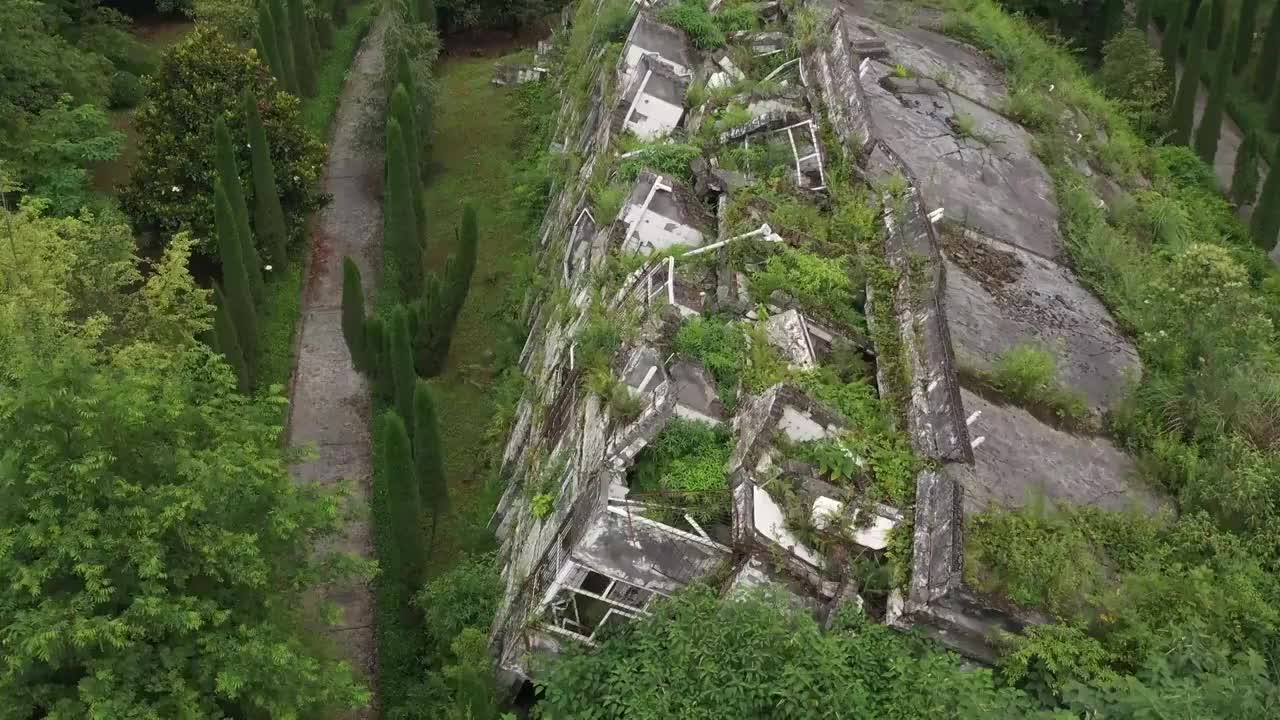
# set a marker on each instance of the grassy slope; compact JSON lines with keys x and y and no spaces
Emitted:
{"x":473,"y":158}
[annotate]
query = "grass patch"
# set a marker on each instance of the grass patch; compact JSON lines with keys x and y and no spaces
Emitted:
{"x":1028,"y":375}
{"x":318,"y":112}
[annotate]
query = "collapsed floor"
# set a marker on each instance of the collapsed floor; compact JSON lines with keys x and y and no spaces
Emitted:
{"x":690,"y":418}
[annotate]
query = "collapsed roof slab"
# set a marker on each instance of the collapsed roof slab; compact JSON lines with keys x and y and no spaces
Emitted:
{"x":650,"y":37}
{"x":1000,"y":296}
{"x":1018,"y":459}
{"x":974,"y":163}
{"x":653,"y":103}
{"x":661,"y":214}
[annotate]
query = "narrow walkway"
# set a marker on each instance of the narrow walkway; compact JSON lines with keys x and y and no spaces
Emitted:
{"x":330,"y":404}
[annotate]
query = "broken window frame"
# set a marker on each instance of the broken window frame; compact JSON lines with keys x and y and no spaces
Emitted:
{"x":556,"y":596}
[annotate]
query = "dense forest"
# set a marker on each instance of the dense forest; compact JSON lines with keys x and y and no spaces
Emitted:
{"x":160,"y":164}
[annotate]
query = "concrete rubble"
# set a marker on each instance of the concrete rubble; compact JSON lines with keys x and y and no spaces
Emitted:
{"x":968,"y":222}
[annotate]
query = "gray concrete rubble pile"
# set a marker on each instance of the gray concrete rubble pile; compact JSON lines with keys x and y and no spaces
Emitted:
{"x":969,"y":222}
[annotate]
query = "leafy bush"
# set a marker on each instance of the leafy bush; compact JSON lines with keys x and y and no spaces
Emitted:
{"x":201,"y":78}
{"x":1028,"y":375}
{"x":466,"y":595}
{"x":692,"y":17}
{"x":828,"y":287}
{"x":667,"y":158}
{"x":688,"y":459}
{"x":1133,"y":73}
{"x":719,"y":659}
{"x":126,"y":90}
{"x":719,"y":346}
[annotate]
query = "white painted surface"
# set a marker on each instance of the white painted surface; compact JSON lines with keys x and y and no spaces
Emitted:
{"x":770,"y":522}
{"x":799,"y":428}
{"x":874,"y":537}
{"x":652,"y":117}
{"x":653,"y":232}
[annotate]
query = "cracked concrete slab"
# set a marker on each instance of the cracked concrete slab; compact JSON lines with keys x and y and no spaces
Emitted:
{"x":1000,"y":296}
{"x":1021,"y":459}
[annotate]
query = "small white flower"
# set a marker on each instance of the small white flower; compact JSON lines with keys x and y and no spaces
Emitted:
{"x":296,"y":178}
{"x":175,"y":188}
{"x":267,"y":268}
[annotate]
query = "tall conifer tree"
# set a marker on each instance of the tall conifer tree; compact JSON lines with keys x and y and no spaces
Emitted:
{"x":402,"y":232}
{"x":1269,"y":59}
{"x":1143,"y":20}
{"x":229,"y":178}
{"x":1245,"y":25}
{"x":1266,"y":214}
{"x":428,"y":458}
{"x":224,"y":330}
{"x":1211,"y":122}
{"x":403,"y":375}
{"x":235,"y":280}
{"x":1184,"y":102}
{"x":403,"y":504}
{"x":267,"y":39}
{"x":1244,"y":180}
{"x":402,"y":111}
{"x":353,"y":318}
{"x":268,"y":216}
{"x":1217,"y":22}
{"x":1174,"y":28}
{"x":303,"y":54}
{"x":284,"y":44}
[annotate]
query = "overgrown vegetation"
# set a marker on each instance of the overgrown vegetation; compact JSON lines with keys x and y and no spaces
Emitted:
{"x":684,"y":467}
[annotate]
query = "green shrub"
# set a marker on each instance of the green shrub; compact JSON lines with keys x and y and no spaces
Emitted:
{"x":1133,"y":74}
{"x":688,"y":460}
{"x":1028,"y":375}
{"x":826,"y":286}
{"x":720,"y":347}
{"x":126,"y":90}
{"x":692,"y":17}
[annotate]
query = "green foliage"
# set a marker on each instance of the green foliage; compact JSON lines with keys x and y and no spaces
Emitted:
{"x":228,"y":341}
{"x":229,"y":181}
{"x":1211,"y":121}
{"x":284,"y":46}
{"x":1246,"y":23}
{"x":1217,"y":24}
{"x":353,"y":315}
{"x":1029,"y":375}
{"x":1134,"y":75}
{"x":268,"y":216}
{"x":126,"y":90}
{"x":139,"y":538}
{"x":826,"y":287}
{"x":1175,"y":26}
{"x":465,"y":596}
{"x":404,"y":379}
{"x":685,"y":468}
{"x":670,"y":159}
{"x":404,"y":507}
{"x":401,"y":230}
{"x":428,"y":459}
{"x":692,"y":17}
{"x":236,"y":280}
{"x":1244,"y":179}
{"x":403,"y":111}
{"x":720,"y":348}
{"x":1269,"y":57}
{"x":708,"y":655}
{"x":1184,"y":101}
{"x":201,"y":79}
{"x":318,"y":112}
{"x":299,"y":29}
{"x":1266,"y":216}
{"x":543,"y":504}
{"x":1033,"y":557}
{"x":61,"y":142}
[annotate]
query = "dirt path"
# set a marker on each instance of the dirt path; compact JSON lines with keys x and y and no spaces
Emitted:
{"x":330,"y":401}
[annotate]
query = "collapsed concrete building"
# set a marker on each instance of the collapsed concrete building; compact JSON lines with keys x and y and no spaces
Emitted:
{"x":968,"y":224}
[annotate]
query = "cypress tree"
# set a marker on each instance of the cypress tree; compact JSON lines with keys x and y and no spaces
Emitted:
{"x":229,"y":178}
{"x":1245,"y":25}
{"x":1143,"y":21}
{"x":1265,"y":78}
{"x":1273,"y":118}
{"x":1244,"y":180}
{"x":430,"y":313}
{"x":403,"y":375}
{"x":404,"y":75}
{"x":284,"y":45}
{"x":324,"y":30}
{"x":268,"y":216}
{"x":375,"y":345}
{"x":1266,"y":213}
{"x":403,"y":503}
{"x":1111,"y":22}
{"x":400,"y":222}
{"x":1184,"y":103}
{"x":239,"y":296}
{"x":353,"y":319}
{"x":402,"y":111}
{"x":267,"y":42}
{"x":1174,"y":28}
{"x":1211,"y":122}
{"x":428,"y":458}
{"x":458,"y":271}
{"x":1217,"y":22}
{"x":224,"y":330}
{"x":303,"y":58}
